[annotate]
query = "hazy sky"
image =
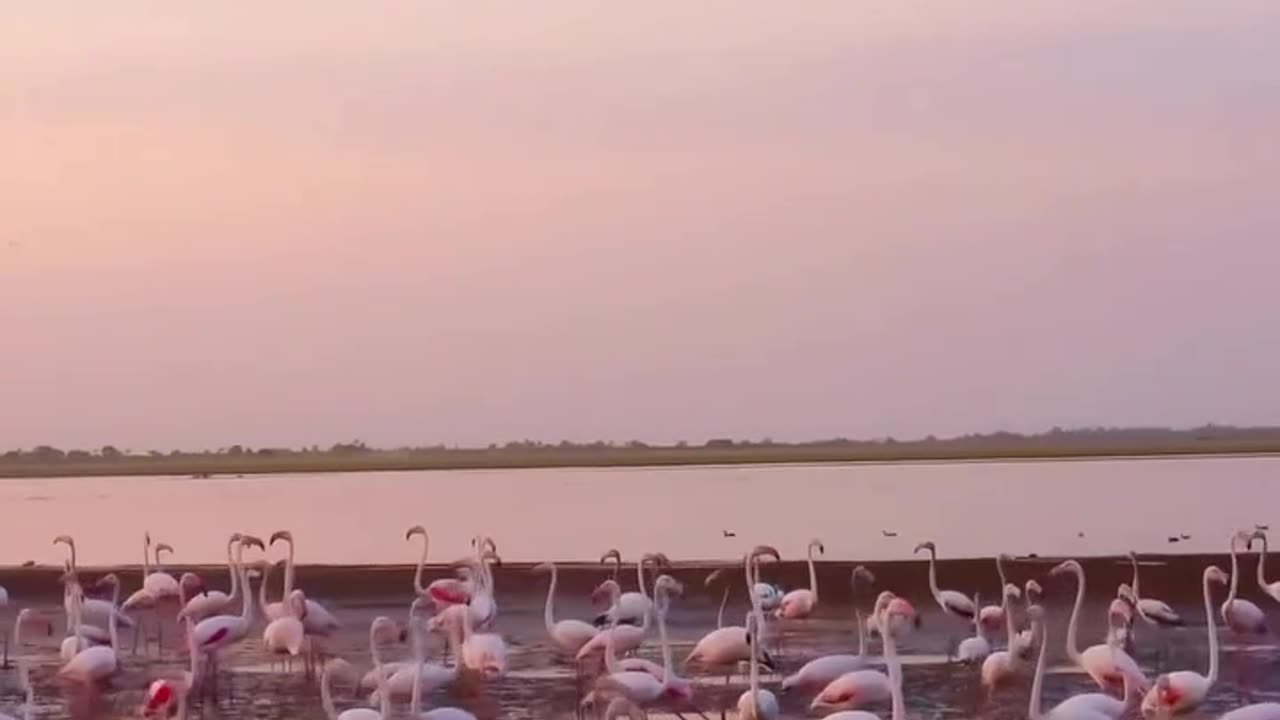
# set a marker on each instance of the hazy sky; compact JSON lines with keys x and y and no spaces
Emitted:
{"x":300,"y":222}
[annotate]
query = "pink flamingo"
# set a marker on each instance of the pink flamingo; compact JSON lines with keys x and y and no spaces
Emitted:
{"x":1241,"y":616}
{"x":799,"y":604}
{"x":1108,"y":666}
{"x":1182,"y":691}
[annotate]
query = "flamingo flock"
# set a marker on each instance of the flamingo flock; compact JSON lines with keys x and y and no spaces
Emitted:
{"x":1006,"y":644}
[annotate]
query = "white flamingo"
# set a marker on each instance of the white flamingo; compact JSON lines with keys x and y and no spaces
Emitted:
{"x":1272,"y":589}
{"x":756,"y":703}
{"x":215,"y":602}
{"x":858,"y":688}
{"x":285,"y":635}
{"x":1086,"y":707}
{"x":1002,"y":665}
{"x":568,"y":635}
{"x":94,"y":612}
{"x":97,"y":663}
{"x":422,"y":683}
{"x":799,"y":604}
{"x":1108,"y":666}
{"x":977,"y":646}
{"x":992,"y":616}
{"x":483,"y":653}
{"x":727,"y":646}
{"x":1153,"y":611}
{"x":1185,"y":690}
{"x":1241,"y":616}
{"x":952,"y":602}
{"x":638,"y":681}
{"x":403,"y":679}
{"x":625,"y":638}
{"x":381,"y":628}
{"x":631,"y":608}
{"x":823,"y":670}
{"x":898,"y":702}
{"x":214,"y":634}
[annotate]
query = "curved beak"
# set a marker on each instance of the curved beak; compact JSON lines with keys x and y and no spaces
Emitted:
{"x":415,"y":530}
{"x":280,"y":535}
{"x":254,"y":542}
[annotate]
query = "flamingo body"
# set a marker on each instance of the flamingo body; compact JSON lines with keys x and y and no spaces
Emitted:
{"x":854,"y":690}
{"x":822,"y":671}
{"x":797,"y":604}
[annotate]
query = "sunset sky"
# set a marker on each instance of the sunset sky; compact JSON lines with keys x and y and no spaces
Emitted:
{"x":304,"y":222}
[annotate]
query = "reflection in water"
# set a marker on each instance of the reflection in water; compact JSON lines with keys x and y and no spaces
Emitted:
{"x":541,"y":684}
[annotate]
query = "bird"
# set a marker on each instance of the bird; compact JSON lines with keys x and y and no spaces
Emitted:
{"x":889,"y":533}
{"x":952,"y":602}
{"x":1241,"y":616}
{"x":725,"y":647}
{"x":729,"y":533}
{"x":1173,"y":538}
{"x":637,"y":679}
{"x":1184,"y":536}
{"x":568,"y":635}
{"x":820,"y":671}
{"x":215,"y":602}
{"x":898,"y":708}
{"x":286,"y":635}
{"x":1184,"y":690}
{"x":1106,"y":665}
{"x":381,"y":629}
{"x":631,"y":608}
{"x":93,"y":610}
{"x":975,"y":647}
{"x":1154,"y":612}
{"x":212,"y":634}
{"x":95,"y":663}
{"x":991,"y":617}
{"x":1088,"y":706}
{"x":1000,"y":666}
{"x":756,"y":703}
{"x":1272,"y":589}
{"x":799,"y":604}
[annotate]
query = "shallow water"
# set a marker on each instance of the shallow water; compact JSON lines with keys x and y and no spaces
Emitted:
{"x":1054,"y":508}
{"x":869,"y":513}
{"x":541,"y":685}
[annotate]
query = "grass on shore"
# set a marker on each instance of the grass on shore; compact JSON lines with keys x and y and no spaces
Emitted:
{"x":200,"y":465}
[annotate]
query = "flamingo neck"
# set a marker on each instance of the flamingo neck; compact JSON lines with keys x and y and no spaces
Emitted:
{"x":1037,"y":683}
{"x":246,"y":609}
{"x":862,"y":632}
{"x":548,"y":612}
{"x":146,"y":556}
{"x":231,"y":571}
{"x":1073,"y":647}
{"x":1213,"y":632}
{"x":422,"y":562}
{"x":1000,"y":571}
{"x":1009,"y":631}
{"x":1262,"y":559}
{"x":262,"y":589}
{"x":610,"y":651}
{"x":1137,"y":594}
{"x":419,"y":659}
{"x":113,"y":626}
{"x":326,"y":695}
{"x":288,"y":572}
{"x":933,"y":575}
{"x":753,"y":638}
{"x":384,"y":697}
{"x":668,"y":668}
{"x":813,"y":575}
{"x":1235,"y":574}
{"x":895,"y":668}
{"x":724,"y":599}
{"x":640,"y":577}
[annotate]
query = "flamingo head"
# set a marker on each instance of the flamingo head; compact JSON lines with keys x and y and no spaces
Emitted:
{"x":252,"y":541}
{"x":384,"y":629}
{"x":606,"y":592}
{"x":65,"y":540}
{"x":110,"y":581}
{"x":667,"y":586}
{"x":162,"y":698}
{"x":281,"y":536}
{"x":1069,"y":566}
{"x":164,"y":547}
{"x":1012,"y":591}
{"x":1260,"y":535}
{"x":863,"y":574}
{"x":542,"y":568}
{"x":816,"y":544}
{"x":1033,"y":587}
{"x":492,"y":557}
{"x":926,"y":545}
{"x":415,"y":530}
{"x":1213,"y":573}
{"x":192,"y":584}
{"x":611,"y":554}
{"x":657,"y":559}
{"x":760,"y":551}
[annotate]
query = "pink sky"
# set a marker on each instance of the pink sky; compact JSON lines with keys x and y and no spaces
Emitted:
{"x":467,"y":222}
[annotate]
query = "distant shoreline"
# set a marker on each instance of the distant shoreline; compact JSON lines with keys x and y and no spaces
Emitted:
{"x":214,"y":465}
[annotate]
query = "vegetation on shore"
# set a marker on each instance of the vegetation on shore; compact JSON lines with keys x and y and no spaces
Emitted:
{"x":47,"y":461}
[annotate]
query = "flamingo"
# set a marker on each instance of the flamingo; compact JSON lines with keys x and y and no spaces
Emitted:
{"x":159,"y":583}
{"x":727,"y":646}
{"x":1024,"y":642}
{"x":992,"y":616}
{"x":756,"y":703}
{"x":1271,"y":589}
{"x":1003,"y":665}
{"x":1182,"y":691}
{"x":96,"y":663}
{"x":568,"y":635}
{"x":415,"y":701}
{"x":823,"y":670}
{"x":404,"y":679}
{"x":898,"y":703}
{"x":167,"y":696}
{"x":977,"y":647}
{"x":215,"y":602}
{"x":317,"y":620}
{"x":213,"y":634}
{"x":369,"y":682}
{"x":1120,"y":615}
{"x":631,"y":608}
{"x":638,"y":681}
{"x":854,"y":689}
{"x":93,"y":611}
{"x":952,"y":602}
{"x":1241,"y":616}
{"x":1091,"y":706}
{"x":1108,"y":666}
{"x":285,"y":635}
{"x":381,"y":627}
{"x":485,"y":653}
{"x":625,"y":638}
{"x":799,"y":604}
{"x":1153,"y":611}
